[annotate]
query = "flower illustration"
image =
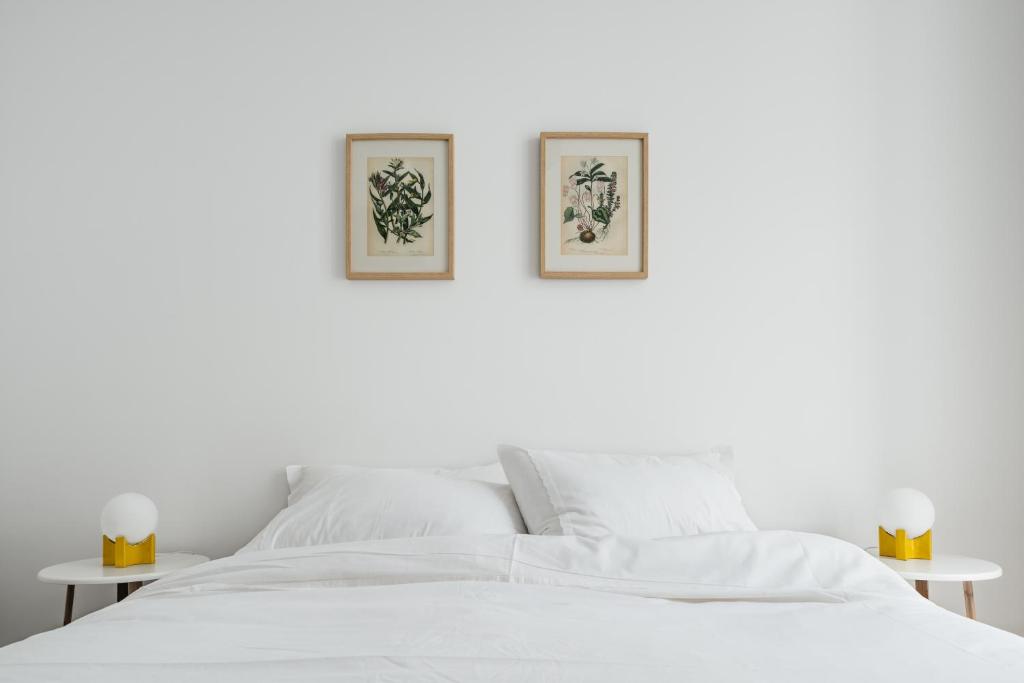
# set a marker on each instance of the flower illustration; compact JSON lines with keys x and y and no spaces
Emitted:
{"x":399,"y":197}
{"x":377,"y":182}
{"x":594,"y":199}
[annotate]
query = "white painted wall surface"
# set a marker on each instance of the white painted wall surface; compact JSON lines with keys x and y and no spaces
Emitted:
{"x":837,"y":233}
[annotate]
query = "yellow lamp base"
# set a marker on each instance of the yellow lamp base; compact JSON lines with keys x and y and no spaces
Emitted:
{"x":903,"y":548}
{"x":121,"y":553}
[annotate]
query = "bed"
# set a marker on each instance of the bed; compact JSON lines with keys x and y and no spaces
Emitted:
{"x":444,"y":584}
{"x":739,"y":606}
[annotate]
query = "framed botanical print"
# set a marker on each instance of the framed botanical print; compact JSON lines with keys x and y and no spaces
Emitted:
{"x":399,"y":198}
{"x":593,"y":205}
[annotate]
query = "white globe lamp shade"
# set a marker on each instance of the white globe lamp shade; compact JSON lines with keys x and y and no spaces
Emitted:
{"x":906,"y":509}
{"x":131,"y":515}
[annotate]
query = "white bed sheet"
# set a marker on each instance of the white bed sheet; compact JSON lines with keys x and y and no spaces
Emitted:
{"x":744,"y":606}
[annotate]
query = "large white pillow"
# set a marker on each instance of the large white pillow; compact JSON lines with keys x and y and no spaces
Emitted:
{"x":647,"y":496}
{"x":342,"y":503}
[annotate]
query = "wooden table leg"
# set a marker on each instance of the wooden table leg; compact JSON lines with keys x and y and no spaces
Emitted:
{"x":969,"y":599}
{"x":922,"y":587}
{"x":126,"y":589}
{"x":69,"y":603}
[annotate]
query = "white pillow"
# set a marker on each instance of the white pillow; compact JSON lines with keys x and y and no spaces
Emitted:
{"x":563,"y":493}
{"x":342,"y":503}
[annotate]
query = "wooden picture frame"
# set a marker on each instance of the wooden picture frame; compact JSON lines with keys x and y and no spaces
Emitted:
{"x":382,"y":241}
{"x":620,"y":248}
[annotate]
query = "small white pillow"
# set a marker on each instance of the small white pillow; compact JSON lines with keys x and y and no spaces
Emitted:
{"x":563,"y":493}
{"x":341,"y":503}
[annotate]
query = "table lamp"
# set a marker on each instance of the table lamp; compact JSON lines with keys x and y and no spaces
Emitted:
{"x":905,"y":518}
{"x":128,"y":522}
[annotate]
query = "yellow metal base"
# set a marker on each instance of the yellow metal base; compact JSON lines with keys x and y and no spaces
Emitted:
{"x":121,"y":553}
{"x":903,"y":548}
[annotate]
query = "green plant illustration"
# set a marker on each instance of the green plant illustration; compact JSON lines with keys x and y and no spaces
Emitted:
{"x":399,"y":196}
{"x":593,"y":195}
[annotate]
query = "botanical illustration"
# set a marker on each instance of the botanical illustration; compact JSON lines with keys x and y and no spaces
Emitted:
{"x":594,"y":206}
{"x":400,"y":206}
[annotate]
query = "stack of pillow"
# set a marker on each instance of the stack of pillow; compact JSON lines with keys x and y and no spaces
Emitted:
{"x":531,"y":491}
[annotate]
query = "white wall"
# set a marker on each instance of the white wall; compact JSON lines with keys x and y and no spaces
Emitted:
{"x":837,"y":226}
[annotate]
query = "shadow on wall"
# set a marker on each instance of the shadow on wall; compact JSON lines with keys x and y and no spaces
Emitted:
{"x":533,"y":201}
{"x":336,"y":225}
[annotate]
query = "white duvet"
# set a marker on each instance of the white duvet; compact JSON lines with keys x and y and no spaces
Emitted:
{"x":745,"y":606}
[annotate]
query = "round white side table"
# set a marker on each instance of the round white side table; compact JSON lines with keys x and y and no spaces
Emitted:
{"x":966,"y":570}
{"x":128,"y":579}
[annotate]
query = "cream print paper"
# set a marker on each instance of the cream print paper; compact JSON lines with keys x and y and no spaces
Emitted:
{"x":594,"y":212}
{"x":400,"y":206}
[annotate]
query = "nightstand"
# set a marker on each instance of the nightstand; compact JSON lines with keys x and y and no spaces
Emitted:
{"x":128,"y":579}
{"x":966,"y":570}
